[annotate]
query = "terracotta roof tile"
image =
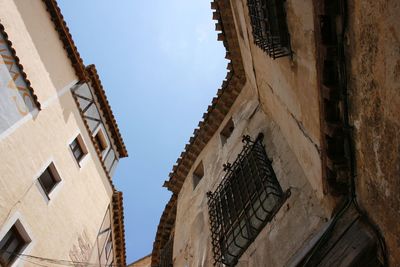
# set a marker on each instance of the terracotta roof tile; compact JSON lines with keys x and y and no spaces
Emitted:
{"x":119,"y":228}
{"x":106,"y":108}
{"x":164,"y":230}
{"x":86,"y":74}
{"x":214,"y":116}
{"x":66,"y":38}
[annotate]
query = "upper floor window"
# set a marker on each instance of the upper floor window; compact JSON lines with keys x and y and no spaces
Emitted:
{"x":13,"y":244}
{"x":78,"y":148}
{"x":49,"y":179}
{"x":227,"y":131}
{"x":16,"y":95}
{"x":101,"y":140}
{"x":247,"y":198}
{"x":198,"y":174}
{"x":270,"y":32}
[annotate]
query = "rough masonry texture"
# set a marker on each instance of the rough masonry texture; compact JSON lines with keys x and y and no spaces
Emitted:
{"x":329,"y":116}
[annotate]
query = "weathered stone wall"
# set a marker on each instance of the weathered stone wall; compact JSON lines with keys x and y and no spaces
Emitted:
{"x":281,"y":100}
{"x":287,"y":86}
{"x":373,"y":54}
{"x":300,"y":217}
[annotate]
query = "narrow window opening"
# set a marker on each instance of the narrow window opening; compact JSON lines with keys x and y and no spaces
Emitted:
{"x":198,"y":174}
{"x":12,"y":244}
{"x":78,"y":148}
{"x":227,"y":131}
{"x":49,"y":179}
{"x":100,"y":140}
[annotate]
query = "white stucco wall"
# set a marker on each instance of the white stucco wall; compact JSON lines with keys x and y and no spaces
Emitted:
{"x":69,"y":222}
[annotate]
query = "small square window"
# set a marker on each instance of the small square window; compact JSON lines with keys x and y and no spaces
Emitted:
{"x":100,"y":140}
{"x":227,"y":131}
{"x":78,"y":148}
{"x":49,"y":179}
{"x":198,"y":174}
{"x":12,"y":244}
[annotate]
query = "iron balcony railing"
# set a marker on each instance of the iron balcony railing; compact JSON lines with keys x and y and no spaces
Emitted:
{"x":270,"y":31}
{"x":246,"y":199}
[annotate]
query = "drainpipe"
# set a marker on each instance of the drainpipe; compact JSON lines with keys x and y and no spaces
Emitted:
{"x":351,"y":198}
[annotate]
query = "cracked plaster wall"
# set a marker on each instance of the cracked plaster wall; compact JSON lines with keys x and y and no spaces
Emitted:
{"x":301,"y":216}
{"x":281,"y":100}
{"x":287,"y":87}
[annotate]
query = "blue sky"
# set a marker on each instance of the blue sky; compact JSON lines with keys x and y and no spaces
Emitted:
{"x":160,"y":65}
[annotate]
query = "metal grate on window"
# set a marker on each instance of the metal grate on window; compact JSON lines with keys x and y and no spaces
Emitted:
{"x":246,"y":199}
{"x":166,"y":254}
{"x":270,"y":32}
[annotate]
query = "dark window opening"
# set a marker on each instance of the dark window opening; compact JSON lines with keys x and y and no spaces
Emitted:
{"x":198,"y":174}
{"x":100,"y":141}
{"x":78,"y":149}
{"x":270,"y":31}
{"x":247,"y":198}
{"x":49,"y":179}
{"x":227,"y":131}
{"x":11,"y":246}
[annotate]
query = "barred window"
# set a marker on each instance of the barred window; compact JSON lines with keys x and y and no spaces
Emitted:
{"x":246,"y":199}
{"x":270,"y":32}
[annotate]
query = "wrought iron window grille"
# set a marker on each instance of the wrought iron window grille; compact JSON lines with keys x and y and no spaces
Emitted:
{"x":166,"y":254}
{"x":247,"y":198}
{"x":270,"y":31}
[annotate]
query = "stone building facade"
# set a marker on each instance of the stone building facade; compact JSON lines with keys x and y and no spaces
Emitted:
{"x":59,"y":147}
{"x":296,"y":161}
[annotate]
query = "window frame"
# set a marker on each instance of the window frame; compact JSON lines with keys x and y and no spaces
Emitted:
{"x":269,"y":27}
{"x":24,"y":240}
{"x":79,"y":145}
{"x":246,"y":199}
{"x":101,"y":140}
{"x":55,"y":177}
